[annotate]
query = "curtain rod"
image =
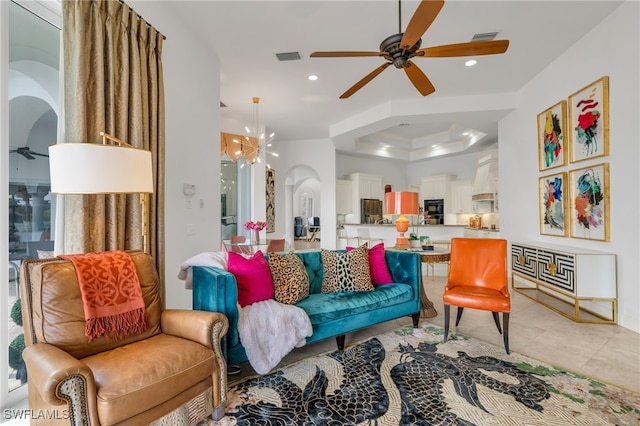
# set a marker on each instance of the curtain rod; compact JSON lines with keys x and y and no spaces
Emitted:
{"x":145,"y":21}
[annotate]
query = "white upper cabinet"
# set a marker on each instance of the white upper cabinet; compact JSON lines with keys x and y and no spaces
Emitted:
{"x":437,"y":187}
{"x":363,"y":185}
{"x":461,"y":191}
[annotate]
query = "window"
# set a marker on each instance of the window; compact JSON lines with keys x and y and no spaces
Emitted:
{"x":33,"y":47}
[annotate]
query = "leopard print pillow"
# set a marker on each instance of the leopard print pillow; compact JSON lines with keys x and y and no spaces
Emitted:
{"x":346,"y":271}
{"x":290,"y":278}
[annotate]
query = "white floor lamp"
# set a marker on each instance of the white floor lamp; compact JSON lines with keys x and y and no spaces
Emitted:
{"x":90,"y":168}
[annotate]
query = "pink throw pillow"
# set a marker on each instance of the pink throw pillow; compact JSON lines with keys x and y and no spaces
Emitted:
{"x":253,"y":277}
{"x":380,"y":273}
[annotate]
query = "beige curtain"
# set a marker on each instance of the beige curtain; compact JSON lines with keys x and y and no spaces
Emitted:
{"x":113,"y":83}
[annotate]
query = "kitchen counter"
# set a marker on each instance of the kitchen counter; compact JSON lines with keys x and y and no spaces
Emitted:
{"x":387,"y":232}
{"x":482,"y":229}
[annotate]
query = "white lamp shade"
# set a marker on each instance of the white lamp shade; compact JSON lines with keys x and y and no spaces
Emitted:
{"x":89,"y":168}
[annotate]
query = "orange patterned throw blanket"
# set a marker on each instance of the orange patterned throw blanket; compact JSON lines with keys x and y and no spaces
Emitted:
{"x":111,"y":294}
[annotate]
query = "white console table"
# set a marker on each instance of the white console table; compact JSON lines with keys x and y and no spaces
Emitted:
{"x":579,"y":284}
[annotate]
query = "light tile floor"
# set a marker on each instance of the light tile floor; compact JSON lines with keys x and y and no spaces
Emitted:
{"x":609,"y":353}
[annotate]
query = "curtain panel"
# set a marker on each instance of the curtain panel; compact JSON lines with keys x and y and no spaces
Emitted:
{"x":113,"y":82}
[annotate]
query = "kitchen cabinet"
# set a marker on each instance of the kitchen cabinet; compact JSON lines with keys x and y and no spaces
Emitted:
{"x":461,"y":191}
{"x":344,"y":196}
{"x":577,"y":283}
{"x":437,"y":187}
{"x":363,"y":185}
{"x":367,"y":186}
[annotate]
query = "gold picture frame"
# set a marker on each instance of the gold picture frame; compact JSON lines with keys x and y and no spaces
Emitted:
{"x":589,"y":121}
{"x":552,"y":145}
{"x":590,"y":202}
{"x":270,"y":199}
{"x":553,"y":205}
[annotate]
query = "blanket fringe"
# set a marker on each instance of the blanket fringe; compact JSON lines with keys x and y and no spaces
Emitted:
{"x":117,"y":326}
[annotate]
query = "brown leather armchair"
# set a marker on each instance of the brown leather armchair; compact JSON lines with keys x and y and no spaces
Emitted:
{"x":478,"y":279}
{"x":173,"y":372}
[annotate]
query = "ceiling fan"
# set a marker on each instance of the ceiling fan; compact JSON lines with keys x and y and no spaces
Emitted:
{"x":400,"y":48}
{"x":26,"y":152}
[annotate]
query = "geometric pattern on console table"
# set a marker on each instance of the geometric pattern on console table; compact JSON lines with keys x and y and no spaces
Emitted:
{"x":557,"y":269}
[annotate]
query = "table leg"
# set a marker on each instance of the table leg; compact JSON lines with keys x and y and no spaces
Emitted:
{"x":428,"y":309}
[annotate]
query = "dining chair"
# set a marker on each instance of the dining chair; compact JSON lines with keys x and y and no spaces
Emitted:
{"x":238,"y":246}
{"x":478,"y":279}
{"x":275,"y":245}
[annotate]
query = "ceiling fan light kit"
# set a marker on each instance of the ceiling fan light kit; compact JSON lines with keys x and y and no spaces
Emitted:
{"x":398,"y":49}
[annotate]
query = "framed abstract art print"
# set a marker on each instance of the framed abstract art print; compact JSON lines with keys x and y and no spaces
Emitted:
{"x":590,"y":202}
{"x":553,"y":205}
{"x":589,"y":121}
{"x":552,"y":124}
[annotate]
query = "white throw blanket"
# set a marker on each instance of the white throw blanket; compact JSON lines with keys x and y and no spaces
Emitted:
{"x":269,"y":330}
{"x":217,"y":259}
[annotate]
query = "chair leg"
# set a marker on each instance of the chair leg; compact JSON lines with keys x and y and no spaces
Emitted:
{"x":497,"y":321}
{"x":459,"y":315}
{"x":505,"y":336}
{"x":447,"y":309}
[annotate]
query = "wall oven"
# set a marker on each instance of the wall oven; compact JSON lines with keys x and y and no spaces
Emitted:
{"x":435,"y":209}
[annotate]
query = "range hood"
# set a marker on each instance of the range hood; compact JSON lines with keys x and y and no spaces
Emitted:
{"x":486,"y":175}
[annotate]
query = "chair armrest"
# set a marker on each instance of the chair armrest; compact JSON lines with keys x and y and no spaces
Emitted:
{"x":208,"y":329}
{"x":199,"y":326}
{"x":60,"y":379}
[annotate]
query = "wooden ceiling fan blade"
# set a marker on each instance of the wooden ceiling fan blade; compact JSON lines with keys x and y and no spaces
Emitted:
{"x":419,"y":79}
{"x":367,"y":78}
{"x":421,"y":20}
{"x":472,"y":48}
{"x":344,"y":54}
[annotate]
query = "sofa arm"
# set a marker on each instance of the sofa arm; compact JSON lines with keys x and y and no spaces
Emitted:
{"x":215,"y":290}
{"x":206,"y":328}
{"x":405,"y":267}
{"x":61,"y":379}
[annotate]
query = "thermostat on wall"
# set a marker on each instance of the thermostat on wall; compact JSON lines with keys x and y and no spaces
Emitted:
{"x":188,"y":189}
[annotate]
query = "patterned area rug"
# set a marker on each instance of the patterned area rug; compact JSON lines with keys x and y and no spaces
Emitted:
{"x":408,"y":377}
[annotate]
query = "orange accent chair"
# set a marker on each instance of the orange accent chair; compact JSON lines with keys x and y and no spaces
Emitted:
{"x":275,"y":245}
{"x":478,"y":280}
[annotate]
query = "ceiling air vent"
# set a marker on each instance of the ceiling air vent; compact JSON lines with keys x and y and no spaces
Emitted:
{"x":222,"y":105}
{"x":288,"y":56}
{"x":484,"y":36}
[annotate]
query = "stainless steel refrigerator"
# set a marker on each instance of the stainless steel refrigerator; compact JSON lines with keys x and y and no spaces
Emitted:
{"x":370,"y":210}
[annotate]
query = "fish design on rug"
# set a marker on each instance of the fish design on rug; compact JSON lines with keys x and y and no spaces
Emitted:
{"x":360,"y":397}
{"x":422,"y":372}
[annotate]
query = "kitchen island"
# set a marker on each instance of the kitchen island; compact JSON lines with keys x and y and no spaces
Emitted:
{"x":349,"y":233}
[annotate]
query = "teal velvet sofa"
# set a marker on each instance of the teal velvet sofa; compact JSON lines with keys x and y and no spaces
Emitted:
{"x":331,"y":314}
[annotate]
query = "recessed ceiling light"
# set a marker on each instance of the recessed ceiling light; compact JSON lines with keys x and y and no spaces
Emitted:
{"x":313,"y":77}
{"x":434,"y":146}
{"x":470,"y":62}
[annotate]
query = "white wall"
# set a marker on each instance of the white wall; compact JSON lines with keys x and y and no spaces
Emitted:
{"x":320,"y":156}
{"x":611,"y":48}
{"x":401,"y":174}
{"x":393,"y":172}
{"x":192,"y":99}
